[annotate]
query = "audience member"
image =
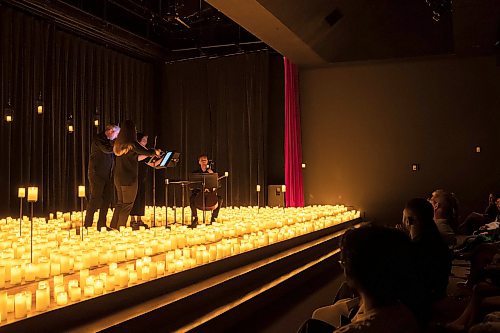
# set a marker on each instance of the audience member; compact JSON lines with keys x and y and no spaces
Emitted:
{"x":378,"y":264}
{"x":432,"y":254}
{"x":445,"y":215}
{"x":476,"y":220}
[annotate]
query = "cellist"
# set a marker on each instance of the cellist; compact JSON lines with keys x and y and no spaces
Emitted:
{"x":205,"y":166}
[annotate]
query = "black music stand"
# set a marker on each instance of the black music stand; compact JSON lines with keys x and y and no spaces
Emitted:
{"x":168,"y":159}
{"x":206,"y":180}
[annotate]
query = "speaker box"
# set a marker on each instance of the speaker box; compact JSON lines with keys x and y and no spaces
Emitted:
{"x":275,"y":198}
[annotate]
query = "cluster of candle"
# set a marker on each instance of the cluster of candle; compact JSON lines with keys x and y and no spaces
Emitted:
{"x":66,"y":268}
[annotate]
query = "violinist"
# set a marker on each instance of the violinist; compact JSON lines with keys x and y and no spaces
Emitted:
{"x":205,"y":167}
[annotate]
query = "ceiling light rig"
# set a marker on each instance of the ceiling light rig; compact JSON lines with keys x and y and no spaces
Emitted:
{"x":439,"y":8}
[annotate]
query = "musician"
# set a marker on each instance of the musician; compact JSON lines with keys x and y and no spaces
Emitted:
{"x":205,"y":167}
{"x":127,"y":150}
{"x":101,"y":163}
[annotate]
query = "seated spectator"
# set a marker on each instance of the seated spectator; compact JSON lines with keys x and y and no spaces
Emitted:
{"x":445,"y":215}
{"x":378,"y":264}
{"x":433,"y":255}
{"x":476,"y":220}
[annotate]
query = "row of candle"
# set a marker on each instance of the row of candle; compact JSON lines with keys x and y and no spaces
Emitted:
{"x":58,"y":251}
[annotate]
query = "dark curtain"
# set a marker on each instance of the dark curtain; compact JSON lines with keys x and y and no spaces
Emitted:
{"x":222,"y":107}
{"x":76,"y":78}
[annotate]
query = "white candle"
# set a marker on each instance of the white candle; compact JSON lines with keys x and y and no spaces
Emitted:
{"x":283,"y":188}
{"x":226,"y":174}
{"x":3,"y":305}
{"x":15,"y":275}
{"x":42,"y":299}
{"x":75,"y":293}
{"x":32,"y":194}
{"x":98,"y":287}
{"x":21,"y":192}
{"x":55,"y":268}
{"x":84,"y":273}
{"x":70,"y":128}
{"x":58,"y":280}
{"x":20,"y":309}
{"x":132,"y":277}
{"x":258,"y":188}
{"x":43,"y":268}
{"x":88,"y":291}
{"x":81,"y":191}
{"x":29,"y":300}
{"x":62,"y":298}
{"x":30,"y":272}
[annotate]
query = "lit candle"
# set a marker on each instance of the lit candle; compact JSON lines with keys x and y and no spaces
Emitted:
{"x":43,"y":268}
{"x":75,"y":293}
{"x":32,"y":194}
{"x":39,"y":109}
{"x":258,"y":188}
{"x":226,"y":174}
{"x":145,"y":273}
{"x":58,"y":289}
{"x":84,"y":273}
{"x":96,"y":122}
{"x":29,"y":300}
{"x":3,"y":305}
{"x":58,"y":280}
{"x":98,"y":287}
{"x":160,"y":268}
{"x":81,"y":191}
{"x":2,"y":277}
{"x":30,"y":272}
{"x":88,"y":291}
{"x":15,"y":275}
{"x":132,"y":276}
{"x":112,"y":268}
{"x":42,"y":299}
{"x":70,"y":128}
{"x":21,"y":192}
{"x":62,"y":298}
{"x":10,"y":303}
{"x":283,"y":188}
{"x":20,"y":309}
{"x":8,"y":118}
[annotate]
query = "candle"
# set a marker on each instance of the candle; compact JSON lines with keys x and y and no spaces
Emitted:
{"x":258,"y":188}
{"x":70,"y":128}
{"x":29,"y":300}
{"x":20,"y":309}
{"x":30,"y":272}
{"x":15,"y":275}
{"x":98,"y":287}
{"x":132,"y":276}
{"x":3,"y":305}
{"x":81,"y":191}
{"x":226,"y":174}
{"x":112,"y":268}
{"x":75,"y":293}
{"x":96,"y":122}
{"x":58,"y":289}
{"x":43,"y":268}
{"x":58,"y":280}
{"x":121,"y":278}
{"x":21,"y":192}
{"x":55,"y":268}
{"x":88,"y":291}
{"x":160,"y":268}
{"x":32,"y":194}
{"x":84,"y":273}
{"x":62,"y":298}
{"x":39,"y":109}
{"x":145,"y":273}
{"x":283,"y":188}
{"x":42,"y":299}
{"x":179,"y":265}
{"x":2,"y":277}
{"x":8,"y":118}
{"x":10,"y":303}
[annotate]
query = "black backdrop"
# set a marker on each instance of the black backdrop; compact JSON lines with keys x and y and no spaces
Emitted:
{"x":231,"y":108}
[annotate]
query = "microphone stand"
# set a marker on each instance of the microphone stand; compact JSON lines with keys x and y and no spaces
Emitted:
{"x":154,"y":189}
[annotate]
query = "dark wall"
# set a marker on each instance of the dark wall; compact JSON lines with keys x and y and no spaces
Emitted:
{"x":365,"y":124}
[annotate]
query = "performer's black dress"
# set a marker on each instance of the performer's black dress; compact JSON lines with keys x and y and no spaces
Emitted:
{"x":140,"y":199}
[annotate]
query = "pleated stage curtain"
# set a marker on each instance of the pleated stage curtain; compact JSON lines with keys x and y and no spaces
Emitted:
{"x":293,"y":144}
{"x":222,"y":107}
{"x":75,"y":78}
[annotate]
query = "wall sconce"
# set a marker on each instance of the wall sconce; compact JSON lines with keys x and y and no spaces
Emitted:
{"x":39,"y":104}
{"x":97,"y":117}
{"x":70,"y":124}
{"x":9,"y":112}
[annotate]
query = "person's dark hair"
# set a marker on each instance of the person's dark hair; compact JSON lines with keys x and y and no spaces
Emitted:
{"x":202,"y":155}
{"x":380,"y":262}
{"x":140,"y":135}
{"x":423,"y":210}
{"x":125,"y":139}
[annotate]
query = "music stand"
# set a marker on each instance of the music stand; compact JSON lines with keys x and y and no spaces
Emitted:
{"x":167,"y":160}
{"x":207,"y":180}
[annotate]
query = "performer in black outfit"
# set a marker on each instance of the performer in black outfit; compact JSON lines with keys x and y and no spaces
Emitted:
{"x":204,"y":168}
{"x":140,"y":200}
{"x":127,"y":149}
{"x":100,"y":172}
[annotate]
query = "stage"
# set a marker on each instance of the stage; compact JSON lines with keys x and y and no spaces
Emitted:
{"x":201,"y":276}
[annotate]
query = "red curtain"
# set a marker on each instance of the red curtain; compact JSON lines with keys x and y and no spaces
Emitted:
{"x":293,"y":146}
